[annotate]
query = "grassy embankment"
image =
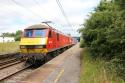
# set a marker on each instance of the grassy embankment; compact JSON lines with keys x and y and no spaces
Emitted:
{"x":9,"y":47}
{"x":94,"y":71}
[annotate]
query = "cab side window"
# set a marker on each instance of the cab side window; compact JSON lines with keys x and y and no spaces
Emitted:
{"x":50,"y":34}
{"x":57,"y":36}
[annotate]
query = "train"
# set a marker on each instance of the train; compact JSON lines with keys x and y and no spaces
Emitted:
{"x":41,"y":41}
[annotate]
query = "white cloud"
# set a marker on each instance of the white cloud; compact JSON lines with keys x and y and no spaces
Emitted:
{"x":14,"y":17}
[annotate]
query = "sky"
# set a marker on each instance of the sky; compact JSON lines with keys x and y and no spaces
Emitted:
{"x":19,"y":14}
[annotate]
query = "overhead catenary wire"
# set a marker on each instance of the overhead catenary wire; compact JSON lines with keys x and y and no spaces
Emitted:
{"x":39,"y":5}
{"x":63,"y":12}
{"x":58,"y":2}
{"x":37,"y":15}
{"x":61,"y":8}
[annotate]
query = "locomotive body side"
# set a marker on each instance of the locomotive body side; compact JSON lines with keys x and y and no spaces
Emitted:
{"x":57,"y":40}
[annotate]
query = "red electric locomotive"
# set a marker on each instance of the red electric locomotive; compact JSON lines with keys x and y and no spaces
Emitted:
{"x":41,"y":41}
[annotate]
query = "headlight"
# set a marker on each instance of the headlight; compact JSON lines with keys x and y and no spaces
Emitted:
{"x":40,"y":46}
{"x":22,"y":46}
{"x":32,"y":46}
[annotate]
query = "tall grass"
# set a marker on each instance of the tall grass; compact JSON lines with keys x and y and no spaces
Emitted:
{"x":9,"y":47}
{"x":94,"y":71}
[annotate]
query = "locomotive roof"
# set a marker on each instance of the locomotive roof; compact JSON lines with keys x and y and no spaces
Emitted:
{"x":43,"y":26}
{"x":38,"y":26}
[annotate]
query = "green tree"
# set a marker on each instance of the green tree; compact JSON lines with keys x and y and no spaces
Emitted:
{"x":103,"y":34}
{"x":18,"y":35}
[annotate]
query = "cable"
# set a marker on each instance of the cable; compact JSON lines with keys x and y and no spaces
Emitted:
{"x":26,"y":8}
{"x":63,"y":12}
{"x":37,"y":3}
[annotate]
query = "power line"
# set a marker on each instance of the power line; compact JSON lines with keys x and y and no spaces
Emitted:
{"x":63,"y":12}
{"x":26,"y":8}
{"x":38,"y":5}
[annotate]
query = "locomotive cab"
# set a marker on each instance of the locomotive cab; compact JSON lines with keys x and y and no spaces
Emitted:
{"x":33,"y":42}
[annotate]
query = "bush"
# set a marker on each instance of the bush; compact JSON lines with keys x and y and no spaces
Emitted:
{"x":17,"y":38}
{"x":104,"y":37}
{"x":82,"y":44}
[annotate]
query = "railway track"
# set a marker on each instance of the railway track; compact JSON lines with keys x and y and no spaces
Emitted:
{"x":18,"y":77}
{"x":10,"y":65}
{"x":10,"y":55}
{"x":13,"y":70}
{"x":8,"y":71}
{"x":16,"y":72}
{"x":8,"y":61}
{"x":7,"y":64}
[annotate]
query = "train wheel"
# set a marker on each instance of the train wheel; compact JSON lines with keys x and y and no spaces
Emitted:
{"x":54,"y":54}
{"x":45,"y":59}
{"x":31,"y":60}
